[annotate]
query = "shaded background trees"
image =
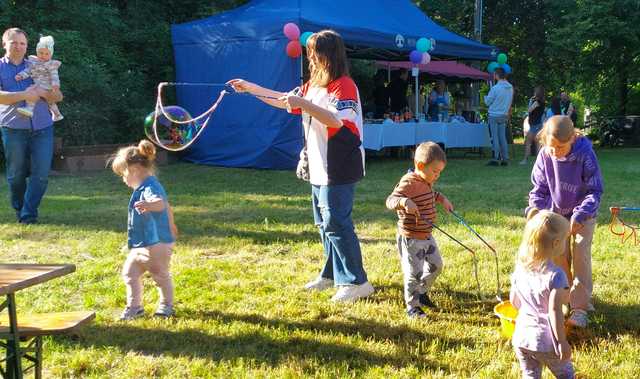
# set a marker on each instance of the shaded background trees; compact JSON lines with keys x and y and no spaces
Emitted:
{"x":115,"y":52}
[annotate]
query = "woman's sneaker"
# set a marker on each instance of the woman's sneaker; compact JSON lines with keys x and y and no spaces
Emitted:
{"x":164,"y":310}
{"x":131,"y":313}
{"x":578,"y":318}
{"x":416,"y":312}
{"x":353,"y":292}
{"x":319,"y":284}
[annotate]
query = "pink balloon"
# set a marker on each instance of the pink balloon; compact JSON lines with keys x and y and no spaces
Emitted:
{"x":294,"y":49}
{"x":292,"y":31}
{"x":426,"y":58}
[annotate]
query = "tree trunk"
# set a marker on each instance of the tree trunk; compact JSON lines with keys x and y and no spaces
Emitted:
{"x":623,"y":83}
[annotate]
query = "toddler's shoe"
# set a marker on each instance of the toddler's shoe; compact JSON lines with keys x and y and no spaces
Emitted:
{"x":578,"y":318}
{"x":504,"y":163}
{"x":56,"y":117}
{"x":493,"y":162}
{"x":131,"y":313}
{"x":353,"y":292}
{"x":319,"y":284}
{"x":523,"y":162}
{"x":426,"y":301}
{"x":416,"y":312}
{"x":165,"y":311}
{"x":26,"y":112}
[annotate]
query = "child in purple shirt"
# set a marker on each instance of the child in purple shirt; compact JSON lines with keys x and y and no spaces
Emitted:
{"x":566,"y":179}
{"x":538,"y":290}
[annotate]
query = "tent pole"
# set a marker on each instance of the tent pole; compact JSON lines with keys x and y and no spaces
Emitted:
{"x":417,"y":93}
{"x":301,"y":69}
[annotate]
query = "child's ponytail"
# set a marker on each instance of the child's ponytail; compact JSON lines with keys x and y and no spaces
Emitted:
{"x":147,"y":149}
{"x":143,"y":155}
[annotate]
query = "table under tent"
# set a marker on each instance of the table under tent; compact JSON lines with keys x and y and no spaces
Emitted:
{"x":248,"y":42}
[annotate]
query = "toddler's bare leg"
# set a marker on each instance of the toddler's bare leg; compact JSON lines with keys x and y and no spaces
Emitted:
{"x":57,"y":116}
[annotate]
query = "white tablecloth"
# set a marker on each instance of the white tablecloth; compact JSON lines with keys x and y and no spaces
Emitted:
{"x":451,"y":134}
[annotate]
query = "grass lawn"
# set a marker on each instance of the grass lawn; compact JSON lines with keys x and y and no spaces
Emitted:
{"x":247,"y":246}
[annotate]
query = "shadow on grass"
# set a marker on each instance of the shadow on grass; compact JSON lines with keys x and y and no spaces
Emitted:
{"x":451,"y":304}
{"x":614,"y":319}
{"x":264,"y":348}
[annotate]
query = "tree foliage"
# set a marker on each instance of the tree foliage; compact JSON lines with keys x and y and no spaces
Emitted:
{"x":114,"y":52}
{"x":588,"y":48}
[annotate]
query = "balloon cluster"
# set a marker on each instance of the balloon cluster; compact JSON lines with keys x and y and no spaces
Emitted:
{"x":500,"y":62}
{"x":296,"y":40}
{"x":421,"y":54}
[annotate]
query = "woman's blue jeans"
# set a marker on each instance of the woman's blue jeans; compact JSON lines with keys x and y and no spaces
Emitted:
{"x":332,"y":205}
{"x":28,"y":156}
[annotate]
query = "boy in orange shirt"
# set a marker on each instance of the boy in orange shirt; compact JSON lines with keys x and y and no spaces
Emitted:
{"x":414,"y":200}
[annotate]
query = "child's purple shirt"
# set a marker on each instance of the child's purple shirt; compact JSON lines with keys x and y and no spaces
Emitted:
{"x":530,"y":293}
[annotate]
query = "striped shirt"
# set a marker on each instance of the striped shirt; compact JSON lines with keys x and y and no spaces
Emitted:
{"x":413,"y":187}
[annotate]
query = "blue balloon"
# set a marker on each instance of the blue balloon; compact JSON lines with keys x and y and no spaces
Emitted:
{"x":415,"y":57}
{"x":423,"y":45}
{"x":492,"y":66}
{"x":304,"y":37}
{"x":506,"y":68}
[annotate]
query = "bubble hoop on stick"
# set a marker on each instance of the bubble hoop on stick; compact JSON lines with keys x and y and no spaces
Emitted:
{"x":191,"y":124}
{"x":192,"y":127}
{"x":619,"y":227}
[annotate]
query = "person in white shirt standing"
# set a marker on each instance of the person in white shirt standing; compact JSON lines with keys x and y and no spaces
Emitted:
{"x":499,"y":102}
{"x":332,"y":118}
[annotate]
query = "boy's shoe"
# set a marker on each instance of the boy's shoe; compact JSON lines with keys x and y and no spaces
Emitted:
{"x":131,"y":313}
{"x":416,"y":312}
{"x":426,"y":301}
{"x":353,"y":292}
{"x":26,"y":112}
{"x":493,"y":163}
{"x":165,"y":310}
{"x":523,"y":162}
{"x":590,"y":307}
{"x":504,"y":163}
{"x":56,"y":117}
{"x":319,"y":284}
{"x":579,"y":318}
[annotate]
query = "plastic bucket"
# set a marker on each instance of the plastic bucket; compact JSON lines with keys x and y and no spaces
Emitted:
{"x":507,"y":315}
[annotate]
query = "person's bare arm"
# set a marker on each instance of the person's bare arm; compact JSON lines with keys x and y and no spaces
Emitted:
{"x":241,"y":85}
{"x":321,"y":114}
{"x":53,"y":96}
{"x":8,"y":98}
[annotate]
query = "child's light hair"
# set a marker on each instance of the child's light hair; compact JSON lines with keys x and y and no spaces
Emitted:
{"x":46,"y":42}
{"x":559,"y":128}
{"x":541,"y":231}
{"x":143,"y":155}
{"x":428,"y":152}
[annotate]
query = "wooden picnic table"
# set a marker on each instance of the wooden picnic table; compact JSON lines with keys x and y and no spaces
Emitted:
{"x":14,"y":277}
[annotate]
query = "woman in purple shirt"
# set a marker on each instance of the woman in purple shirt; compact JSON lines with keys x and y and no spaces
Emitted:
{"x":566,"y":179}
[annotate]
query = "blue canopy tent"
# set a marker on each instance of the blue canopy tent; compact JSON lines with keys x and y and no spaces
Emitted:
{"x":248,"y":42}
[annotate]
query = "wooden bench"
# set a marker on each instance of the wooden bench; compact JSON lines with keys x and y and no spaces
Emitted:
{"x":32,"y":328}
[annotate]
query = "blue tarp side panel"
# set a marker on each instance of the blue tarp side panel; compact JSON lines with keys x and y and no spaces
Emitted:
{"x":243,"y":131}
{"x":247,"y":42}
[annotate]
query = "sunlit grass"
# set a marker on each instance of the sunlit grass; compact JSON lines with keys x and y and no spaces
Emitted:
{"x":247,"y":246}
